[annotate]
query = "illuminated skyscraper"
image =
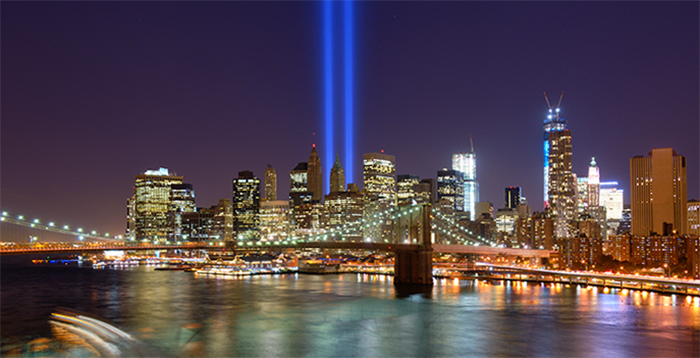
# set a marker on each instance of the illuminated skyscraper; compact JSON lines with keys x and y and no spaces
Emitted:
{"x":466,"y":164}
{"x":246,"y":206}
{"x":315,"y":177}
{"x":182,"y":201}
{"x":406,"y":188}
{"x":552,"y":124}
{"x":337,"y":177}
{"x":562,"y":193}
{"x":450,"y":188}
{"x":659,"y":193}
{"x":274,"y":220}
{"x":152,"y":205}
{"x":593,"y":184}
{"x":379,"y":174}
{"x":270,"y":184}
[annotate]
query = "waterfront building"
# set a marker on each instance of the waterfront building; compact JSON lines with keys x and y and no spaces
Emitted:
{"x":315,"y":176}
{"x":379,"y":177}
{"x":465,"y":163}
{"x":337,"y":176}
{"x":213,"y":224}
{"x":450,"y":188}
{"x":274,"y":220}
{"x":512,"y":197}
{"x":246,"y":206}
{"x":658,"y":193}
{"x":580,"y":252}
{"x":270,"y":184}
{"x":152,"y":205}
{"x":506,"y":219}
{"x":693,"y":217}
{"x":561,"y":184}
{"x":619,"y":247}
{"x":181,"y":201}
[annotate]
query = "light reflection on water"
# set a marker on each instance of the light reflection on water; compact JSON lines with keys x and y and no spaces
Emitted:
{"x":357,"y":315}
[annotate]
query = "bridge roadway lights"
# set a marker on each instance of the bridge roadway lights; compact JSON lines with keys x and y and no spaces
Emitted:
{"x":415,"y":266}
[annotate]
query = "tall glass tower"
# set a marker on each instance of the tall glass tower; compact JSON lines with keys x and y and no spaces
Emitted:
{"x":466,"y":163}
{"x":553,"y":123}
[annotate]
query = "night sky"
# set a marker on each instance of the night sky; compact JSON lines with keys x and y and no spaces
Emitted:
{"x":94,"y":93}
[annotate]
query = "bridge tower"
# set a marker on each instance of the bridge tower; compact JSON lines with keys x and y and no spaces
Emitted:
{"x":413,"y":264}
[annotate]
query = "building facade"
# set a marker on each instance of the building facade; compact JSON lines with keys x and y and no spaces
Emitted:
{"x":465,"y":163}
{"x":512,"y":197}
{"x":152,"y":205}
{"x":379,"y":178}
{"x":562,"y":198}
{"x":450,"y":188}
{"x":337,"y":176}
{"x":315,"y":176}
{"x":659,"y":193}
{"x":246,"y":206}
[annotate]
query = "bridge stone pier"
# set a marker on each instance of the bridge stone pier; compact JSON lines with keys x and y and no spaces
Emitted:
{"x":413,"y":264}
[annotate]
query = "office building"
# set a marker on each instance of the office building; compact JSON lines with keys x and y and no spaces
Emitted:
{"x":612,"y":200}
{"x":552,"y":124}
{"x":274,"y":220}
{"x":246,"y":206}
{"x":465,"y":163}
{"x":428,"y":190}
{"x":213,"y":224}
{"x":270,"y":184}
{"x":450,"y":188}
{"x":593,"y":184}
{"x":512,"y":197}
{"x":337,"y":176}
{"x":659,"y":193}
{"x":343,"y":209}
{"x":561,"y":184}
{"x":315,"y":176}
{"x":379,"y":177}
{"x":581,"y":195}
{"x":181,"y":201}
{"x":407,"y":189}
{"x":152,"y":205}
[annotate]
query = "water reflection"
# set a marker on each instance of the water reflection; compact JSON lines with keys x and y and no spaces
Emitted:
{"x":362,"y":315}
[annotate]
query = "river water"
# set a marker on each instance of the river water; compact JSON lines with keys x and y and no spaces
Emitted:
{"x":182,"y":314}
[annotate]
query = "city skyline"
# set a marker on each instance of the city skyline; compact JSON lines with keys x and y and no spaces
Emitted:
{"x":106,"y":91}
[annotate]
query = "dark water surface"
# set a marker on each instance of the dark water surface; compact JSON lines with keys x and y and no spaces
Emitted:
{"x":180,"y":314}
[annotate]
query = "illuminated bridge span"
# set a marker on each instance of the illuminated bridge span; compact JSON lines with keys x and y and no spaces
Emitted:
{"x":50,"y":226}
{"x":413,"y":233}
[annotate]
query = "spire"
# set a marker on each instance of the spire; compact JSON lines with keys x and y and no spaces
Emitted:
{"x":471,"y":142}
{"x":337,"y":165}
{"x":593,"y":163}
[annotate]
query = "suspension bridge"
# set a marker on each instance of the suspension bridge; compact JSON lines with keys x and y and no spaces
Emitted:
{"x":413,"y":233}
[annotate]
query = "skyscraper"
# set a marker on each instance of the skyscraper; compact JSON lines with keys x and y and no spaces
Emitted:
{"x":379,"y":176}
{"x":337,"y":177}
{"x":450,"y":188}
{"x":152,"y":205}
{"x":246,"y":206}
{"x":659,"y":193}
{"x":181,"y":201}
{"x":512,"y":197}
{"x":315,"y":177}
{"x":593,"y":184}
{"x":466,"y":164}
{"x":562,"y":198}
{"x":270,"y":184}
{"x":552,"y":124}
{"x":406,"y":185}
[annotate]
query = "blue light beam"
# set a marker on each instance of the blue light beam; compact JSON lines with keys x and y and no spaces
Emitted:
{"x":349,"y":89}
{"x":328,"y":87}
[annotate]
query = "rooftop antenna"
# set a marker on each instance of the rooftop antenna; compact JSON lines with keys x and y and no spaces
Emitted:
{"x":471,"y":142}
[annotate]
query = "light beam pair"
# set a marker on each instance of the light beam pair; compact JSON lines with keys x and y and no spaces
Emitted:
{"x":330,"y":57}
